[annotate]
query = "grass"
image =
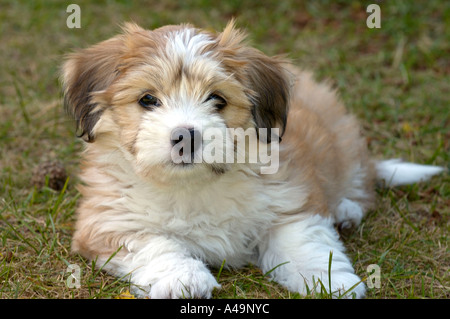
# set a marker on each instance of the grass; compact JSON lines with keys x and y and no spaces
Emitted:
{"x":395,"y":79}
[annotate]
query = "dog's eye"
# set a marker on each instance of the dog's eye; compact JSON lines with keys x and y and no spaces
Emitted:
{"x":219,"y":101}
{"x":149,"y":100}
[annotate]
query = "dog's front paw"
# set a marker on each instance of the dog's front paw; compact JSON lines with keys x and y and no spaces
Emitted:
{"x":343,"y":285}
{"x":347,"y":285}
{"x":307,"y":257}
{"x":198,"y":284}
{"x":191,"y":280}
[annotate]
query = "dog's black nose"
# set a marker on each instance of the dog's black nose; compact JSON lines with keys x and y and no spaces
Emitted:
{"x":187,"y":139}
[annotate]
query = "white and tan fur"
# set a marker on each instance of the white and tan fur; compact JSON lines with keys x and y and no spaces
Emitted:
{"x":169,"y":223}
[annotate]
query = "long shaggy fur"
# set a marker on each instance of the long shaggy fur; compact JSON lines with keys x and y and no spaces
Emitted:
{"x":167,"y":223}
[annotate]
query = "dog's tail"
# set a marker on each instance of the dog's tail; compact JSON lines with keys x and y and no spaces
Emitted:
{"x":395,"y":172}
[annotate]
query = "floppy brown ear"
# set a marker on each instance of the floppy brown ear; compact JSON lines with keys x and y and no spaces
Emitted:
{"x":266,"y":80}
{"x":270,"y":93}
{"x":90,"y":71}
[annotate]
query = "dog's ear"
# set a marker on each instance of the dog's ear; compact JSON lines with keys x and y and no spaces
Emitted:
{"x":265,"y":78}
{"x":269,"y":93}
{"x":87,"y":73}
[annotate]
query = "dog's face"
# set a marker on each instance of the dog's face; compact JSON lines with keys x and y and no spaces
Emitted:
{"x":152,"y":94}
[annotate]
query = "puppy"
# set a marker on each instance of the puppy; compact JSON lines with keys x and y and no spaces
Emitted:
{"x":157,"y":210}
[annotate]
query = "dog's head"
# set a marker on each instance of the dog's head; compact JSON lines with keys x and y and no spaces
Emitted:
{"x":150,"y":91}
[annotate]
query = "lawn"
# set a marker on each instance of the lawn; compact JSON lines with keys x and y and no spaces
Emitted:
{"x":394,"y":78}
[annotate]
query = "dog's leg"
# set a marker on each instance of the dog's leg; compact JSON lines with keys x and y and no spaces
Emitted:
{"x":297,"y":256}
{"x":358,"y":198}
{"x":348,"y":214}
{"x":163,"y":269}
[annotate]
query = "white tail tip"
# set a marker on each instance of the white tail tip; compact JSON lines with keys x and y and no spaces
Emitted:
{"x":395,"y":172}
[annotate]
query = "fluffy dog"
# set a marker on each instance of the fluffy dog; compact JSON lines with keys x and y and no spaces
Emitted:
{"x":163,"y":219}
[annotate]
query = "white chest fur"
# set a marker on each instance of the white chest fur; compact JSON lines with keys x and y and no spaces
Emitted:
{"x":222,"y":219}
